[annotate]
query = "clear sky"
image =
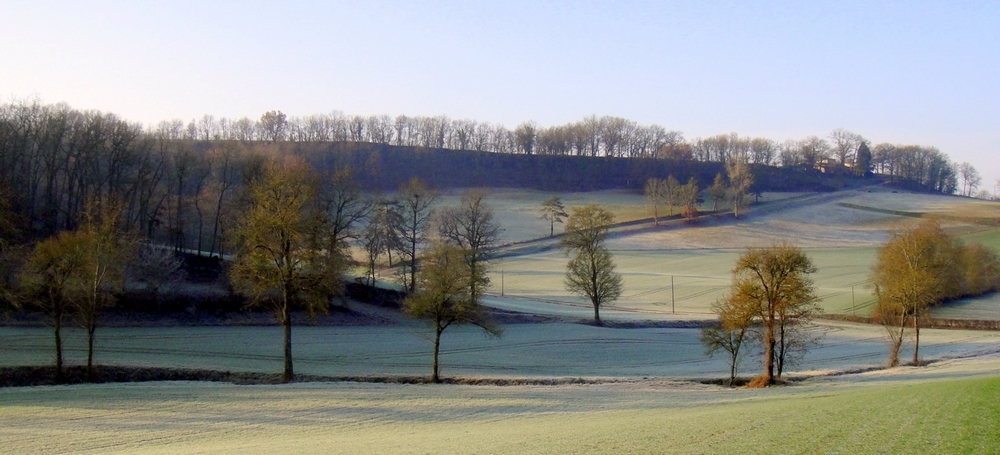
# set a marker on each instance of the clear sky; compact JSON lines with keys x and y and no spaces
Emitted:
{"x":897,"y":71}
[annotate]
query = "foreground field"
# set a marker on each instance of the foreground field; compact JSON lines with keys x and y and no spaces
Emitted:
{"x":644,"y":395}
{"x":902,"y":411}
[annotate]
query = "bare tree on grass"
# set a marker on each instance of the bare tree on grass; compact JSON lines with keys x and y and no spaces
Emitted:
{"x":591,"y":271}
{"x":688,"y":198}
{"x":51,"y":279}
{"x":740,"y":181}
{"x":554,"y":212}
{"x":416,"y":201}
{"x":729,"y":334}
{"x":443,"y":297}
{"x":471,"y":228}
{"x":380,"y":235}
{"x":717,"y":191}
{"x":913,"y":271}
{"x":773,"y":285}
{"x":280,"y":243}
{"x":654,"y":197}
{"x":107,"y":252}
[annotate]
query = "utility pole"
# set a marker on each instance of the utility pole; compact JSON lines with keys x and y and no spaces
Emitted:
{"x":672,"y":295}
{"x":854,"y":305}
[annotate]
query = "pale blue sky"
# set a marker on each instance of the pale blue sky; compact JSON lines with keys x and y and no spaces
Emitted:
{"x":903,"y":72}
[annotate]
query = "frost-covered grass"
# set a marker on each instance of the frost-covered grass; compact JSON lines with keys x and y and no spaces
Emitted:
{"x":909,"y":416}
{"x":841,"y":241}
{"x":526,"y":350}
{"x":700,"y":276}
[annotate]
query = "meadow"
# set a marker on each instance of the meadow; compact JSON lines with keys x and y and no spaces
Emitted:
{"x":646,"y":384}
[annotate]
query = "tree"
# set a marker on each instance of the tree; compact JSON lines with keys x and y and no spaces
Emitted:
{"x":740,"y":181}
{"x":156,"y":267}
{"x":470,"y":227}
{"x":912,"y":271}
{"x":671,"y":192}
{"x":863,"y":160}
{"x":591,"y":272}
{"x":654,"y":196}
{"x":443,"y":297}
{"x":416,"y":201}
{"x":554,"y":212}
{"x":51,"y":279}
{"x":280,"y":241}
{"x":380,"y":235}
{"x":845,"y":145}
{"x":717,"y":191}
{"x":688,"y":198}
{"x":970,"y":178}
{"x":107,"y":251}
{"x":273,"y":126}
{"x":773,"y":285}
{"x":729,"y":333}
{"x":344,"y":205}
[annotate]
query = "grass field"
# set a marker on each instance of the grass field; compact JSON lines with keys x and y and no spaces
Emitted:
{"x":915,"y":416}
{"x":840,"y":240}
{"x":645,"y":398}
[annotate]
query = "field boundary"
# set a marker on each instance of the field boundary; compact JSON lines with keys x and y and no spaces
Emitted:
{"x":926,"y":323}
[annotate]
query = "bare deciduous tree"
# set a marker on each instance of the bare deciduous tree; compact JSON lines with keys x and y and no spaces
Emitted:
{"x":591,"y":271}
{"x":729,"y":334}
{"x":773,"y":285}
{"x":280,"y":242}
{"x":472,"y":228}
{"x":416,"y":202}
{"x":444,"y":299}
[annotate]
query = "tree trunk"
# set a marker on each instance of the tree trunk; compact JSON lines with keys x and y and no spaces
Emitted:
{"x":57,"y":322}
{"x":91,"y":330}
{"x":435,"y":378}
{"x":286,"y":320}
{"x":597,"y":314}
{"x":916,"y":340}
{"x":769,"y":352}
{"x":413,"y":257}
{"x":897,"y":342}
{"x":732,"y":367}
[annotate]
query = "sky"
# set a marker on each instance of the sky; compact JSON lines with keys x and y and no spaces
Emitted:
{"x":906,"y":72}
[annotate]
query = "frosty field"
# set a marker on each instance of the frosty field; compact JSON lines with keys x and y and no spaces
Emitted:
{"x":644,"y":396}
{"x":910,"y":411}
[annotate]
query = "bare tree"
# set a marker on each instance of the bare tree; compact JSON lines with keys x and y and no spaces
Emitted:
{"x":845,"y":145}
{"x":591,"y":271}
{"x":273,"y":126}
{"x":654,"y":197}
{"x":970,"y":178}
{"x":914,"y":270}
{"x":416,"y":201}
{"x":773,"y":285}
{"x":740,"y":181}
{"x":729,"y":334}
{"x":717,"y":191}
{"x":51,"y":279}
{"x":444,"y":299}
{"x":472,"y":229}
{"x":281,"y":240}
{"x":107,"y":251}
